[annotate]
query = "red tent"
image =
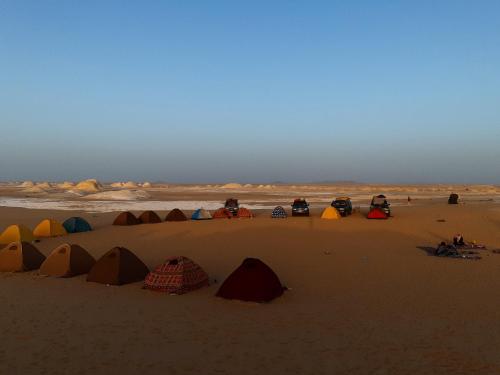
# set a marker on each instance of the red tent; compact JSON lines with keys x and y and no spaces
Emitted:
{"x":244,"y":213}
{"x":376,"y":213}
{"x":178,"y":275}
{"x":252,"y":281}
{"x":222,"y":213}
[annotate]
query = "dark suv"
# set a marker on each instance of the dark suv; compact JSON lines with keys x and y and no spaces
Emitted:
{"x":380,"y":201}
{"x":343,"y":205}
{"x":232,"y":206}
{"x":300,"y":207}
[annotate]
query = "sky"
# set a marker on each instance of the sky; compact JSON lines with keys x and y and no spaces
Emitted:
{"x":258,"y":91}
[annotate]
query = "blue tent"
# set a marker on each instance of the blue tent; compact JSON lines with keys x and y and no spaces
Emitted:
{"x":201,"y":214}
{"x":76,"y":224}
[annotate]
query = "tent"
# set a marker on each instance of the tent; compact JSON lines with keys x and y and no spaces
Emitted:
{"x":453,"y":199}
{"x":222,"y":213}
{"x":178,"y":275}
{"x":20,"y":257}
{"x":126,"y":218}
{"x":67,"y":261}
{"x":49,"y":228}
{"x":149,"y":217}
{"x":279,"y":213}
{"x":76,"y":225}
{"x":244,"y":213}
{"x":330,"y":213}
{"x":16,"y":233}
{"x":253,"y":281}
{"x":201,"y":214}
{"x":176,"y":215}
{"x":376,"y":213}
{"x":117,"y":267}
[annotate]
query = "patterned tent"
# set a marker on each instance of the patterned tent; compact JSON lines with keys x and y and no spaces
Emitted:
{"x":178,"y":275}
{"x":222,"y":213}
{"x":176,"y":215}
{"x":244,"y":213}
{"x":279,"y":213}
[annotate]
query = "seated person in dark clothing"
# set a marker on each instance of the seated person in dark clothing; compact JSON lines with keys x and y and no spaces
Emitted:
{"x":445,"y":250}
{"x":458,"y":240}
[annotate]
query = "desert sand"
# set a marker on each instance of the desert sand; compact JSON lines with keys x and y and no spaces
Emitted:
{"x":364,"y":296}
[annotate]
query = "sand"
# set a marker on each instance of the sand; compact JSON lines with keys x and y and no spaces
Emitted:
{"x":363,"y":299}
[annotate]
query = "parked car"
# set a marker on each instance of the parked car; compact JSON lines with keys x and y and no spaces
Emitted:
{"x":380,"y":201}
{"x":232,"y":206}
{"x":300,"y":207}
{"x":343,"y":205}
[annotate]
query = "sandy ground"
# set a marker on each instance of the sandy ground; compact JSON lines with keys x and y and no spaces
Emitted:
{"x":363,"y":299}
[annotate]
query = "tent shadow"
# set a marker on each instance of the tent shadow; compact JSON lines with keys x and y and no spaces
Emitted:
{"x":430,"y":251}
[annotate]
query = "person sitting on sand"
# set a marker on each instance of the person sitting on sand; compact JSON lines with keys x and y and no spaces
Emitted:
{"x":458,"y":240}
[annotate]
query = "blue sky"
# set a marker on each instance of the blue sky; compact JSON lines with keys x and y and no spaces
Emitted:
{"x":212,"y":91}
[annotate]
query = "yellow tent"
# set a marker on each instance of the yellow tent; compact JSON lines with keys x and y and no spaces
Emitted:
{"x":330,"y":213}
{"x":16,"y":233}
{"x":49,"y":228}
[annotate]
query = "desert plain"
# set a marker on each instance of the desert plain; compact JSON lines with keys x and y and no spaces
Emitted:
{"x":364,"y":296}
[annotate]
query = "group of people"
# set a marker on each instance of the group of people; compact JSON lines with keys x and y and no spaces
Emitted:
{"x":458,"y":249}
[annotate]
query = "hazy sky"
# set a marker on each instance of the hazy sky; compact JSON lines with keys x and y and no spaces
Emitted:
{"x":255,"y":91}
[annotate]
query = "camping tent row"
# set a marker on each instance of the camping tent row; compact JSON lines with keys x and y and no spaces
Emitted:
{"x":253,"y":280}
{"x":151,"y":217}
{"x":46,"y":228}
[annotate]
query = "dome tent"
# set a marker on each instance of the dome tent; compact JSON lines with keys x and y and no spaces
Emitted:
{"x":177,"y":275}
{"x":67,"y":261}
{"x":117,"y":267}
{"x":76,"y":225}
{"x":49,"y":228}
{"x":149,"y":217}
{"x":176,"y":215}
{"x":201,"y":214}
{"x":279,"y":213}
{"x":252,"y":281}
{"x":20,"y":257}
{"x":126,"y":218}
{"x":376,"y":213}
{"x":330,"y":213}
{"x":244,"y":213}
{"x":222,"y":213}
{"x":16,"y":233}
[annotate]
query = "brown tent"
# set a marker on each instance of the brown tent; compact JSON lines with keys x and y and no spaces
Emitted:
{"x":149,"y":217}
{"x":252,"y":281}
{"x":176,"y":215}
{"x":126,"y":218}
{"x":118,"y":266}
{"x":20,"y":257}
{"x":67,"y":261}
